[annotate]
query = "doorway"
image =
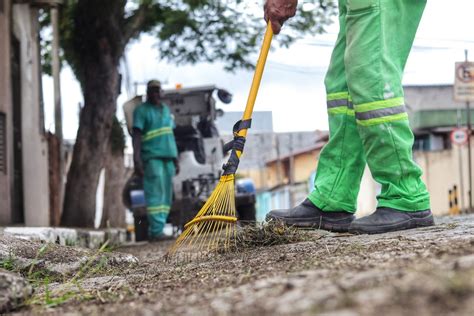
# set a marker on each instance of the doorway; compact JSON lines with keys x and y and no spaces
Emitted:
{"x":18,"y":216}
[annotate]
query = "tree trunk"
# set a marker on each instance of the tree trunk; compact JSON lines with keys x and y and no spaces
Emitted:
{"x":114,"y":211}
{"x":113,"y":214}
{"x":96,"y":45}
{"x":91,"y":144}
{"x":55,"y":183}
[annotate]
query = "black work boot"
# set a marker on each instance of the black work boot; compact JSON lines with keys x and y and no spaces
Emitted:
{"x":160,"y":237}
{"x":385,"y":220}
{"x":308,"y":215}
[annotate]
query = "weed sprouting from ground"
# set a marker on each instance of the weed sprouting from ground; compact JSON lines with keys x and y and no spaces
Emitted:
{"x":49,"y":294}
{"x":8,"y":263}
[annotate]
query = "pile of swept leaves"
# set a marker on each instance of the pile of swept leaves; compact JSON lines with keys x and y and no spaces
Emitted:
{"x":270,"y":234}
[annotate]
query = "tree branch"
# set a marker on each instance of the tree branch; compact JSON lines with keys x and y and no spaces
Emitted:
{"x":135,"y":23}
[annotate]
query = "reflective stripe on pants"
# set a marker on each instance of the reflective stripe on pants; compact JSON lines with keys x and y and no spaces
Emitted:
{"x":366,"y":70}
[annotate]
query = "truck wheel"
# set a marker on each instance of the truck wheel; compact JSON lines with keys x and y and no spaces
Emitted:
{"x":141,"y":228}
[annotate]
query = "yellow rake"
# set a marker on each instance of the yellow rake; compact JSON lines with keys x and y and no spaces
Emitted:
{"x":214,"y":226}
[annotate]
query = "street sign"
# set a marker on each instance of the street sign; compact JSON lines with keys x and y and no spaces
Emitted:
{"x":459,"y":136}
{"x":464,"y":82}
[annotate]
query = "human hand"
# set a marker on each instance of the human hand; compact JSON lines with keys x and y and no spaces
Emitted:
{"x":278,"y":11}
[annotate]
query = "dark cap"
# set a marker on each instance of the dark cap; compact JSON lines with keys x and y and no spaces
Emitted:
{"x":153,"y":84}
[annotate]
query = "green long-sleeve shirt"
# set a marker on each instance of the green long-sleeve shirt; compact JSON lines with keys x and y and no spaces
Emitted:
{"x":156,"y":125}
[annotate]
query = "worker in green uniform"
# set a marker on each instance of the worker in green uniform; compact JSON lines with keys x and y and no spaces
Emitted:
{"x":155,"y":157}
{"x":368,"y":122}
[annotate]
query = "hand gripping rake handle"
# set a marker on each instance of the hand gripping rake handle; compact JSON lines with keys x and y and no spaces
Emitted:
{"x":241,"y":127}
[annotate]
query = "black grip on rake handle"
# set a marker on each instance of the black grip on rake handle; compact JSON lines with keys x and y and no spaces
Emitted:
{"x":233,"y":163}
{"x":228,"y":146}
{"x":240,"y":125}
{"x":237,"y":144}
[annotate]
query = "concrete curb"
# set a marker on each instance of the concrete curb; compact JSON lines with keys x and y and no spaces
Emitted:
{"x":92,"y":239}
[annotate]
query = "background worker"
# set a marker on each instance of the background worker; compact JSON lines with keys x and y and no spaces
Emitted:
{"x":155,"y":157}
{"x":368,"y":122}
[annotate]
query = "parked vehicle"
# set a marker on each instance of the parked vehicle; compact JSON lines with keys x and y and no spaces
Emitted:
{"x":201,"y":156}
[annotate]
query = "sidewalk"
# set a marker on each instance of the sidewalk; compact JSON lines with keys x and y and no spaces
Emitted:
{"x":87,"y":238}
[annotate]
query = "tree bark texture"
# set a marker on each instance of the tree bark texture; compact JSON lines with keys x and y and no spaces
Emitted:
{"x":97,"y":46}
{"x":54,"y":180}
{"x":113,"y":213}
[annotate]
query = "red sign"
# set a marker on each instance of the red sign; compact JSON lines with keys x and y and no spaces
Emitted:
{"x":459,"y":136}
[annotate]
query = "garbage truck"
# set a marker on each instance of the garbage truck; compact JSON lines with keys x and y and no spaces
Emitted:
{"x":201,"y":156}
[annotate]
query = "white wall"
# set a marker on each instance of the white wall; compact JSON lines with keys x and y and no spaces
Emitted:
{"x":366,"y":201}
{"x":34,"y":144}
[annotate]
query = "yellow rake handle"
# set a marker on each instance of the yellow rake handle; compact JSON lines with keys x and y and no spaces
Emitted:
{"x":218,"y":218}
{"x":257,"y":77}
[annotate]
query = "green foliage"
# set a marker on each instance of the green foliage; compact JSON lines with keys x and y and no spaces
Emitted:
{"x":51,"y":289}
{"x":8,"y":263}
{"x":45,"y":41}
{"x":228,"y":32}
{"x":71,"y":288}
{"x":39,"y":254}
{"x":187,"y":31}
{"x":117,"y":137}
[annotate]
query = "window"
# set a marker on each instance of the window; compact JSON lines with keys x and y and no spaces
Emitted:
{"x":432,"y":142}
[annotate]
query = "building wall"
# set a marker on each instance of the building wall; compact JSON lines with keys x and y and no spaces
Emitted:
{"x":443,"y":170}
{"x":258,"y":177}
{"x":430,"y":97}
{"x":34,"y":143}
{"x":369,"y":189}
{"x":275,"y":174}
{"x":305,"y":165}
{"x":6,"y":176}
{"x":264,"y":178}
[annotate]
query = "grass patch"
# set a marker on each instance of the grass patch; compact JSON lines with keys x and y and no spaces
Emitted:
{"x":8,"y":263}
{"x":52,"y":292}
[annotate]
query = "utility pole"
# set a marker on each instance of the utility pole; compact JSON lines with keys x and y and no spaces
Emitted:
{"x":58,"y":121}
{"x":469,"y":131}
{"x":292,"y":172}
{"x":461,"y":171}
{"x":278,"y":164}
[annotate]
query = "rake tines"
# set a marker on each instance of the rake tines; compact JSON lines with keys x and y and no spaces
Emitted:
{"x":215,"y":224}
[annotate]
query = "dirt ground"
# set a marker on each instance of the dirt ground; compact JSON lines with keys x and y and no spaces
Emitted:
{"x":427,"y":271}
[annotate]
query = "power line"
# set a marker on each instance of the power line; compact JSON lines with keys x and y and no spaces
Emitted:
{"x":329,"y":43}
{"x":297,"y":68}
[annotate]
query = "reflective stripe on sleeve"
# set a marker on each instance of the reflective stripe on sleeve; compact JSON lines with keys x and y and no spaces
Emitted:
{"x":157,"y":132}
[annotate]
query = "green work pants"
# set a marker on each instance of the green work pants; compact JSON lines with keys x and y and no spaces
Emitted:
{"x":158,"y":187}
{"x":367,"y":118}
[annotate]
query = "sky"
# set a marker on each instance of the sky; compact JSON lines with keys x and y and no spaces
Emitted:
{"x":292,"y":86}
